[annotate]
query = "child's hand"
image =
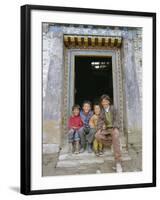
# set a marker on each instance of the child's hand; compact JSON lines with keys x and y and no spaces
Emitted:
{"x":75,"y":127}
{"x":104,"y":127}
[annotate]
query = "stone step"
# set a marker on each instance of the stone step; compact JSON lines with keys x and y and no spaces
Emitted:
{"x":85,"y":158}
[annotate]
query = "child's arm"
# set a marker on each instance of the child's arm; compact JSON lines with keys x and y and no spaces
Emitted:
{"x":80,"y":123}
{"x":101,"y":121}
{"x":91,"y":122}
{"x":70,"y":123}
{"x":75,"y":127}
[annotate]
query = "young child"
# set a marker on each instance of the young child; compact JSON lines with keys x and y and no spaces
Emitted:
{"x":97,"y":146}
{"x":74,"y":124}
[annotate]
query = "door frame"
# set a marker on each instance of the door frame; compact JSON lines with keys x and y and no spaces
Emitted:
{"x":69,"y":82}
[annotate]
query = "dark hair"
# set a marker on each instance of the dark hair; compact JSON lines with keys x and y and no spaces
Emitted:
{"x":96,"y":104}
{"x":76,"y":106}
{"x":86,"y":102}
{"x":106,"y":97}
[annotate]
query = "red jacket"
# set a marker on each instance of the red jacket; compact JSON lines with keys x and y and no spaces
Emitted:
{"x":75,"y":121}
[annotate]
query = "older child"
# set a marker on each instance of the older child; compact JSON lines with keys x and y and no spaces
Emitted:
{"x":97,"y":145}
{"x":74,"y":124}
{"x":110,"y":117}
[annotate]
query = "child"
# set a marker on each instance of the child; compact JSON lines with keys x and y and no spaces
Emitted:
{"x":74,"y":124}
{"x":85,"y":135}
{"x":110,"y":135}
{"x":93,"y":128}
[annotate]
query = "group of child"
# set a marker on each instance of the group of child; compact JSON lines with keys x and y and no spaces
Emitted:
{"x":95,"y":129}
{"x":82,"y":126}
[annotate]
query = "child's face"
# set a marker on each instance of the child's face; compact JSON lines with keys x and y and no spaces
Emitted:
{"x":105,"y":103}
{"x":76,"y":112}
{"x":86,"y":107}
{"x":97,"y":110}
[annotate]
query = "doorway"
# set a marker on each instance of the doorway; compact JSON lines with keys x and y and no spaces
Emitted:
{"x":93,"y":77}
{"x":82,"y":65}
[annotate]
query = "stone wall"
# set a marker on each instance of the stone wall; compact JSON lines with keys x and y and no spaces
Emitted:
{"x":53,"y":76}
{"x":132,"y":83}
{"x":52,"y":81}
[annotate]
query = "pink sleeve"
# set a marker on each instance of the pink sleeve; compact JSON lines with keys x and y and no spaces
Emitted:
{"x":80,"y":122}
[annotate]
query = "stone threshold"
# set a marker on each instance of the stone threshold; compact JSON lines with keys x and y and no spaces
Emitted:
{"x":76,"y":160}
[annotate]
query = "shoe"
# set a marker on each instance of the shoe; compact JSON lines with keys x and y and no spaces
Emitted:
{"x":118,"y":168}
{"x":76,"y":147}
{"x":81,"y":150}
{"x":89,"y":148}
{"x":96,"y":153}
{"x":101,"y":153}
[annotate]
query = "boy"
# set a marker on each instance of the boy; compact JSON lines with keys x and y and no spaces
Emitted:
{"x":97,"y":145}
{"x":84,"y":132}
{"x":74,"y":124}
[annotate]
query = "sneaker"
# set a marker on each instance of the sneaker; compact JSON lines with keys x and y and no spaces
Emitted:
{"x":76,"y":152}
{"x":118,"y":168}
{"x":101,"y":153}
{"x":96,"y":153}
{"x":81,"y":150}
{"x":89,"y":148}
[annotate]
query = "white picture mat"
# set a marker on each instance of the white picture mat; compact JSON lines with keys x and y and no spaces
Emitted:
{"x":42,"y":183}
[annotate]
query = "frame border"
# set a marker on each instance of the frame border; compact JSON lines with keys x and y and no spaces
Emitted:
{"x":25,"y":107}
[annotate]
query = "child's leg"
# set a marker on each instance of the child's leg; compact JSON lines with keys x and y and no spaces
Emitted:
{"x":95,"y":146}
{"x":77,"y":144}
{"x":100,"y":147}
{"x":71,"y":140}
{"x":90,"y":135}
{"x":77,"y":141}
{"x":71,"y":135}
{"x":116,"y":144}
{"x":90,"y":138}
{"x":81,"y":133}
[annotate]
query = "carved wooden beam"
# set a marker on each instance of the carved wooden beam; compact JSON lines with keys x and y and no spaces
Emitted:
{"x":112,"y":41}
{"x":66,"y":41}
{"x":79,"y":40}
{"x":99,"y":41}
{"x":93,"y":40}
{"x":119,"y":42}
{"x":85,"y":41}
{"x":72,"y":40}
{"x":106,"y":41}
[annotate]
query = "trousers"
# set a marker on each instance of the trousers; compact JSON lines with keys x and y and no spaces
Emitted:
{"x":73,"y":135}
{"x":86,"y":135}
{"x":110,"y":137}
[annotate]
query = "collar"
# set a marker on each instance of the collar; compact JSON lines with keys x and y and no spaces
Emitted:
{"x":89,"y":113}
{"x":107,"y":109}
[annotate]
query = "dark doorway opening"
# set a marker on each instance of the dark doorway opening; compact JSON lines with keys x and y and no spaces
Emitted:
{"x":93,"y":77}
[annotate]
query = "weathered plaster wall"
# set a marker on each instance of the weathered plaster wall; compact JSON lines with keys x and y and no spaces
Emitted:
{"x":132,"y":83}
{"x":53,"y":81}
{"x":53,"y":71}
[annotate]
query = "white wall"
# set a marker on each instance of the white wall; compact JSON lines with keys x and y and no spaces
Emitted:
{"x":10,"y":99}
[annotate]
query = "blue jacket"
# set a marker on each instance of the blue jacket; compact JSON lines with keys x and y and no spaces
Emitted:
{"x":86,"y":118}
